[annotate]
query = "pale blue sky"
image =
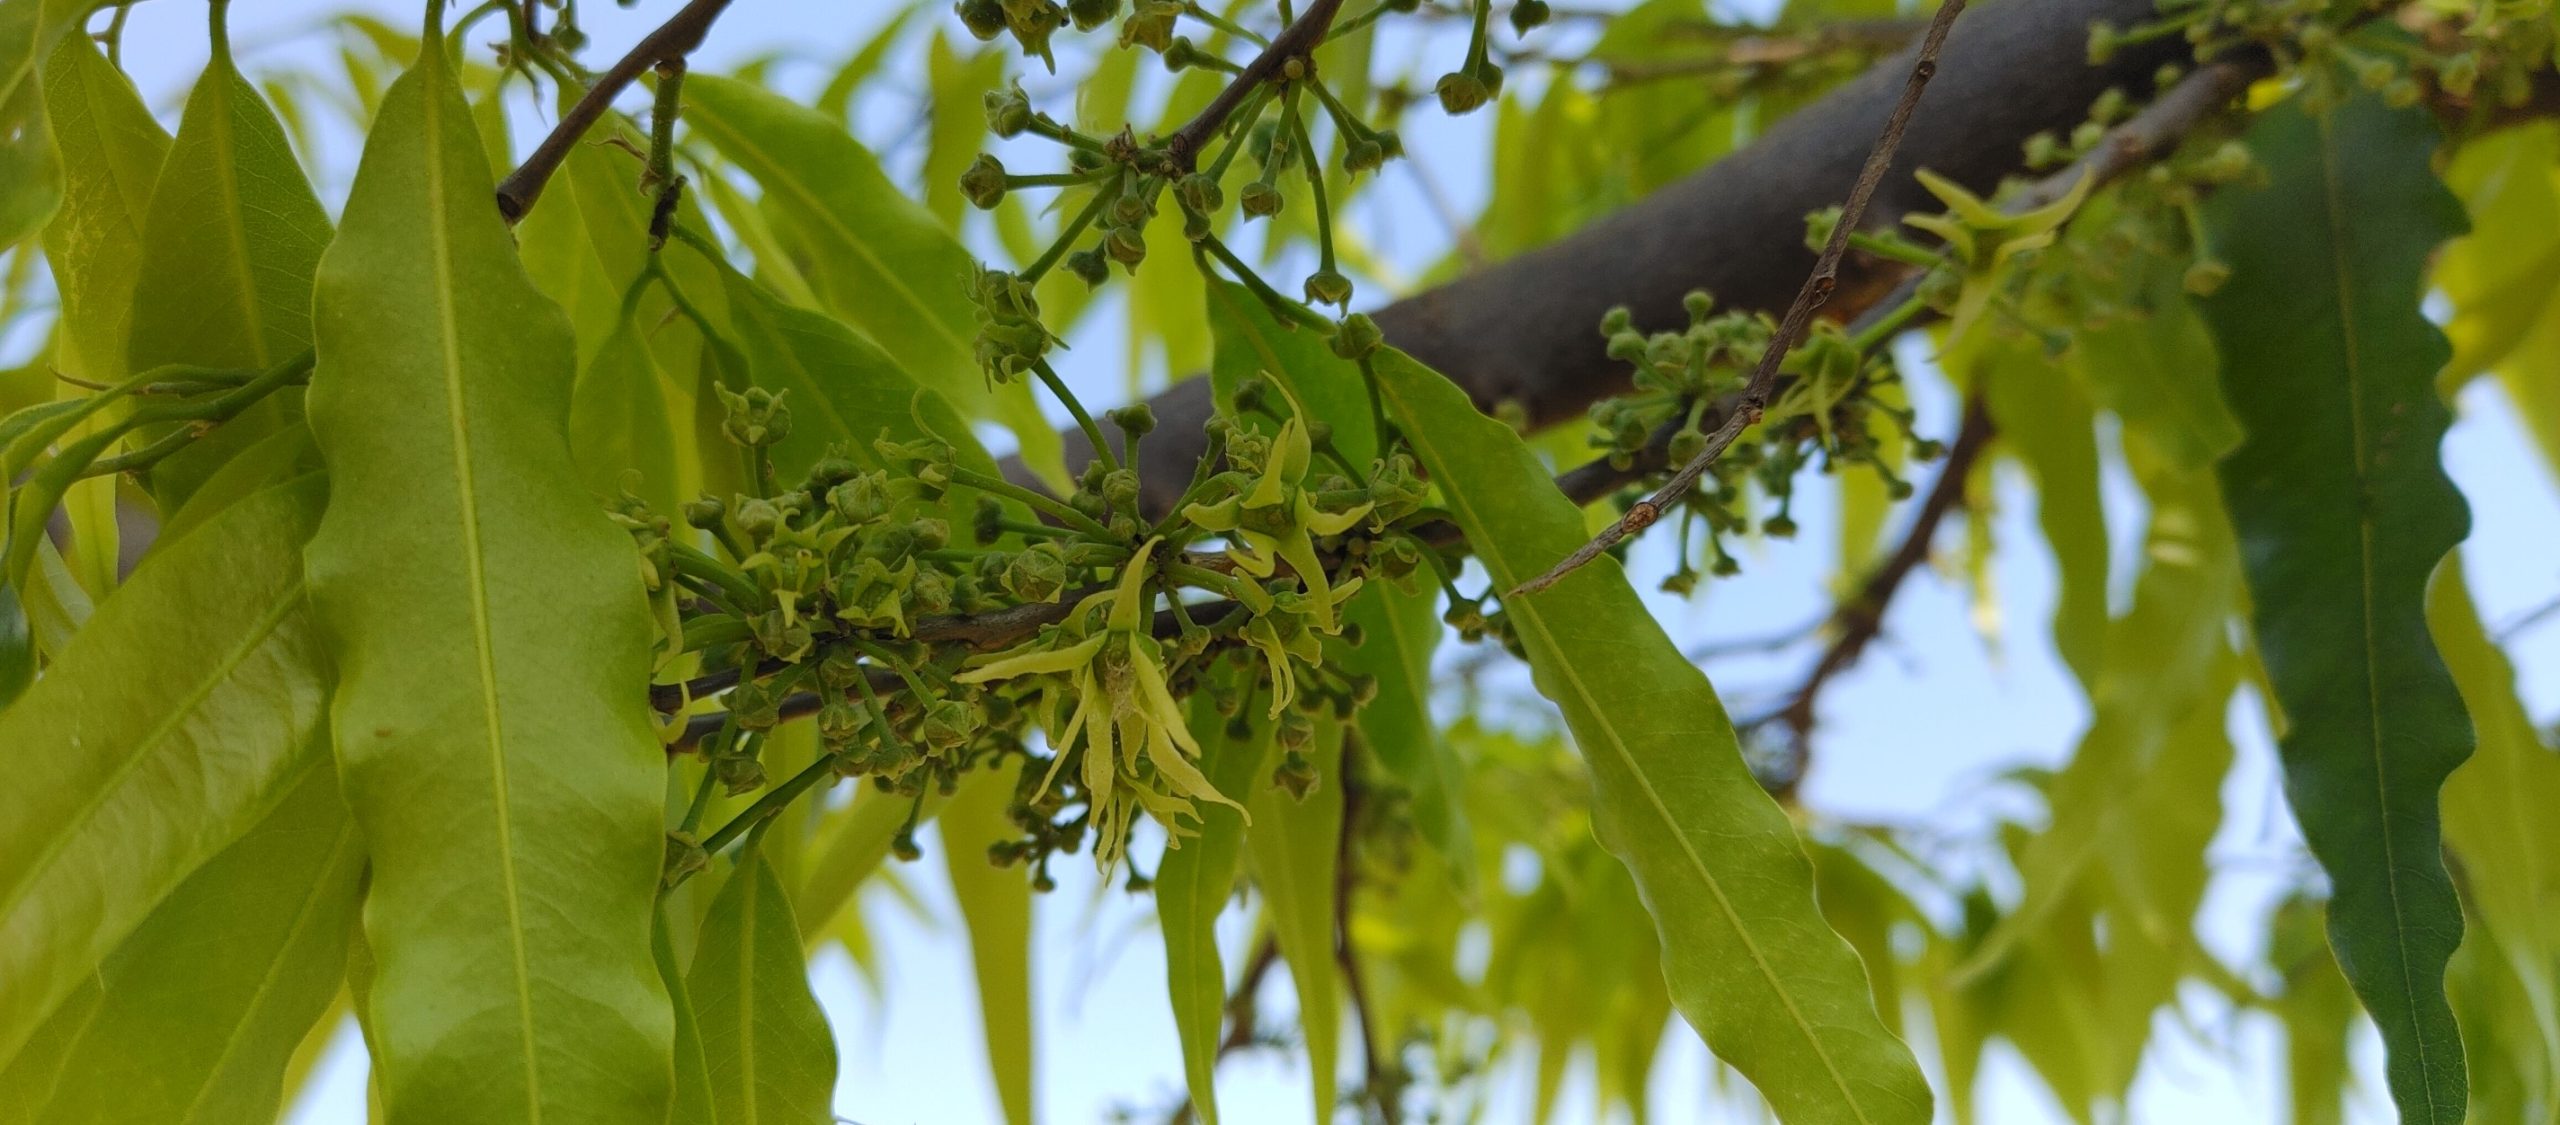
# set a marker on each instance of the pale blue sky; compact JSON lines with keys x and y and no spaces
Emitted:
{"x":1910,"y":736}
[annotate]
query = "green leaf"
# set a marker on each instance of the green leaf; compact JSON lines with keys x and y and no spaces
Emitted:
{"x":844,"y":391}
{"x":2154,"y":367}
{"x":2342,"y":511}
{"x":228,"y":249}
{"x":770,"y":1056}
{"x":1193,"y":885}
{"x":2498,"y":822}
{"x":17,"y":646}
{"x":956,"y":120}
{"x":202,"y":1008}
{"x":30,"y":176}
{"x":492,"y":644}
{"x":2318,"y":1011}
{"x":2046,"y":421}
{"x":168,"y":726}
{"x":879,"y":259}
{"x":2504,"y":278}
{"x":692,"y":1104}
{"x":995,"y":904}
{"x":1750,"y":963}
{"x":111,"y":151}
{"x":851,"y":847}
{"x":1296,"y":849}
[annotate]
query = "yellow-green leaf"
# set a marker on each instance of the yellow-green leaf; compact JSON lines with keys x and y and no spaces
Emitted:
{"x":770,"y":1056}
{"x":2343,"y":509}
{"x":111,"y":152}
{"x":1750,"y":963}
{"x":30,"y":177}
{"x":228,"y":249}
{"x":170,"y":724}
{"x":1295,"y":846}
{"x":995,"y":904}
{"x":2499,"y":822}
{"x":200,"y":1010}
{"x":1193,"y":885}
{"x":493,"y":646}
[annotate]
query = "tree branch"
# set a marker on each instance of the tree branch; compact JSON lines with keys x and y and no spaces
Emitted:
{"x":1292,"y":44}
{"x":1791,"y":328}
{"x":1523,"y":330}
{"x":671,"y":42}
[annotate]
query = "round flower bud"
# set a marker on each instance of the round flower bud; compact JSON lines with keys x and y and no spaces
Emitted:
{"x":984,"y":18}
{"x":1136,"y":419}
{"x":705,"y":513}
{"x":1356,"y":336}
{"x":1008,"y":111}
{"x":1127,"y":245}
{"x":1328,"y":287}
{"x":984,"y":182}
{"x":1089,"y":266}
{"x":1527,"y":14}
{"x":1090,"y":14}
{"x":1199,"y":192}
{"x":1461,"y":93}
{"x":1261,"y":200}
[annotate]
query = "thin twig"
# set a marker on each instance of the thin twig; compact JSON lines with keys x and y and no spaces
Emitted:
{"x":1378,"y":1073}
{"x":1791,"y":327}
{"x":1293,"y":43}
{"x":1859,"y":618}
{"x":672,"y":41}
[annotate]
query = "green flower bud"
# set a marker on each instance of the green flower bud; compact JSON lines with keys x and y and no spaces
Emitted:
{"x":684,"y":857}
{"x":840,"y":722}
{"x":1363,"y":155}
{"x":949,"y":724}
{"x":931,"y":592}
{"x":1249,"y":397}
{"x":1261,"y":200}
{"x":984,"y":18}
{"x":1461,"y":93}
{"x":1090,"y":14}
{"x":1328,"y":287}
{"x":1685,"y":445}
{"x":1527,"y":14}
{"x":1136,"y":419}
{"x":1182,"y":52}
{"x":983,"y":183}
{"x":861,"y":500}
{"x":738,"y":773}
{"x":1356,"y":336}
{"x":754,"y":419}
{"x":1150,"y":24}
{"x":1120,"y":490}
{"x":705,"y":513}
{"x":986,"y":524}
{"x":1089,"y":266}
{"x":2103,"y":41}
{"x":2206,"y":277}
{"x":758,"y":518}
{"x":1126,"y":245}
{"x":1199,"y":192}
{"x":1036,"y":575}
{"x":1008,"y":111}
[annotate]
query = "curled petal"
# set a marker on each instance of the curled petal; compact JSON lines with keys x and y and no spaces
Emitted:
{"x":1301,"y":553}
{"x":1251,"y":552}
{"x":1217,"y":517}
{"x":1186,"y":777}
{"x":1332,"y":523}
{"x":1036,"y":662}
{"x":1130,"y":599}
{"x":1156,"y":703}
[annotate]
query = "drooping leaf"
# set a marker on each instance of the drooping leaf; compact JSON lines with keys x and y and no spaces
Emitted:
{"x":850,"y":848}
{"x":2343,"y":510}
{"x":228,"y":248}
{"x":995,"y":903}
{"x":1193,"y":885}
{"x":769,"y":1054}
{"x":492,"y":644}
{"x":111,"y":150}
{"x":202,"y":1008}
{"x":880,"y":260}
{"x":2498,"y":824}
{"x":169,"y":725}
{"x":1295,"y":849}
{"x":692,"y":1105}
{"x":1750,"y":963}
{"x":30,"y":176}
{"x":2153,"y":366}
{"x":2504,"y":278}
{"x":2045,"y":420}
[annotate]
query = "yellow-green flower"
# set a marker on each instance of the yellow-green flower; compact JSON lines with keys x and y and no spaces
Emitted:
{"x":1984,"y":239}
{"x":1278,"y":519}
{"x":1138,"y":751}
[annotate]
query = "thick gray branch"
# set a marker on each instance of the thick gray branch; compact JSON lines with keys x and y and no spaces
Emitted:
{"x":1526,"y":329}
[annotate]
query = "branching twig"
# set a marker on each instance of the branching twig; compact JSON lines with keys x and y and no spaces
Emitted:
{"x":1859,"y":618}
{"x":1293,"y":43}
{"x":671,"y":42}
{"x":1791,"y":327}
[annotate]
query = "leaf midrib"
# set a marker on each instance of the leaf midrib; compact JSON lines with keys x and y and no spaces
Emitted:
{"x":448,"y":326}
{"x":2333,"y":198}
{"x":1528,"y":612}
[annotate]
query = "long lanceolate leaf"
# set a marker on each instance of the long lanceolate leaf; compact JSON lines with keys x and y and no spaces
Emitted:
{"x":769,"y":1056}
{"x":1749,"y":960}
{"x":30,"y":177}
{"x":492,"y":644}
{"x":171,"y":723}
{"x":223,"y":981}
{"x":1193,"y":885}
{"x":2343,"y":510}
{"x":995,"y":903}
